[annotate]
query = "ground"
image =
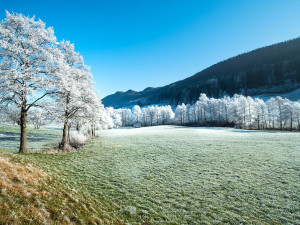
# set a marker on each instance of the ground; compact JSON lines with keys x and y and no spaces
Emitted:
{"x":178,"y":175}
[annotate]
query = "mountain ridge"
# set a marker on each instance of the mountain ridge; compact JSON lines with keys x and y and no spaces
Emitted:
{"x":270,"y":69}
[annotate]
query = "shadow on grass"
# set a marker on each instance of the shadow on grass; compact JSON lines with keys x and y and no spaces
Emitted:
{"x":12,"y":139}
{"x":13,"y":136}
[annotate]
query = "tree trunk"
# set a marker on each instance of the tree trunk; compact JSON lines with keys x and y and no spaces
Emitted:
{"x":69,"y":128}
{"x":23,"y":126}
{"x":93,"y":131}
{"x":78,"y":126}
{"x":280,"y":118}
{"x":226,"y":115}
{"x":64,"y":140}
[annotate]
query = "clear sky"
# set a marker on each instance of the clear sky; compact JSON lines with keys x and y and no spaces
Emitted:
{"x":137,"y":44}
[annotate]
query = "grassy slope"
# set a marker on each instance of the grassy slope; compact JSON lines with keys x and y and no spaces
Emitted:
{"x":28,"y":195}
{"x":185,"y":175}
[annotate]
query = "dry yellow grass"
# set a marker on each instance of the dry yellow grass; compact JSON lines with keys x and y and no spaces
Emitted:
{"x":21,"y":182}
{"x":28,"y":195}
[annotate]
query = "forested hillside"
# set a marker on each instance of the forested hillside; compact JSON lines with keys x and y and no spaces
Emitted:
{"x":272,"y":69}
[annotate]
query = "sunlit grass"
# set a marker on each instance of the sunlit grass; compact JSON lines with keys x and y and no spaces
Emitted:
{"x":174,"y":175}
{"x":30,"y":196}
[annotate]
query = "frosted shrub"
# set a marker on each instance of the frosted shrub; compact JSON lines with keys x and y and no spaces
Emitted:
{"x":77,"y":139}
{"x":104,"y":127}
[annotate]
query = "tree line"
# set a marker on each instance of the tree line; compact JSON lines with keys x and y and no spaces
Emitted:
{"x":238,"y":111}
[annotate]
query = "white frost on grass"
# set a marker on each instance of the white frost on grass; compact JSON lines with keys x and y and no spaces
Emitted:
{"x":191,"y":175}
{"x":178,"y":175}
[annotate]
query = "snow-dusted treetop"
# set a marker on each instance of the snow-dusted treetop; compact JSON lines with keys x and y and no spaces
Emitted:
{"x":29,"y":60}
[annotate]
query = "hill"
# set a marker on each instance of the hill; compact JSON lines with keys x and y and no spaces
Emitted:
{"x":273,"y":69}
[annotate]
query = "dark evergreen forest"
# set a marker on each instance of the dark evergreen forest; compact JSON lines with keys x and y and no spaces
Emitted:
{"x":271,"y":69}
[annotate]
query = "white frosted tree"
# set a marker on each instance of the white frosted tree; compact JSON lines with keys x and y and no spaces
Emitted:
{"x":93,"y":110}
{"x":115,"y":116}
{"x":144,"y":116}
{"x":137,"y":113}
{"x":288,"y":113}
{"x":126,"y":116}
{"x":106,"y":121}
{"x":11,"y":114}
{"x":279,"y":105}
{"x":117,"y":120}
{"x":167,"y":114}
{"x":203,"y":101}
{"x":272,"y":115}
{"x":152,"y":114}
{"x":193,"y":113}
{"x":75,"y":96}
{"x":180,"y":113}
{"x":28,"y":65}
{"x":297,"y":114}
{"x":235,"y":114}
{"x":259,"y":113}
{"x":226,"y":102}
{"x":37,"y":117}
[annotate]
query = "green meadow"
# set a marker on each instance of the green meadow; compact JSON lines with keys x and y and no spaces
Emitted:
{"x":173,"y":175}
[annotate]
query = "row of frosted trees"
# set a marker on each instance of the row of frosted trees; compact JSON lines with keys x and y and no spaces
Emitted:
{"x":38,"y":72}
{"x":237,"y":111}
{"x":148,"y":116}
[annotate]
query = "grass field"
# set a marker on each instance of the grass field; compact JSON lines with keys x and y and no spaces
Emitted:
{"x":38,"y":139}
{"x":177,"y":175}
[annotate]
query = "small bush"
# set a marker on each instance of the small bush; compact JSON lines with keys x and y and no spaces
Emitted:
{"x":77,"y":140}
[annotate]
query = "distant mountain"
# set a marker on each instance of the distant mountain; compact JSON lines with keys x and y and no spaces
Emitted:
{"x":274,"y":69}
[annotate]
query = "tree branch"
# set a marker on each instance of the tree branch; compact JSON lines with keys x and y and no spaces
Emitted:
{"x":33,"y":103}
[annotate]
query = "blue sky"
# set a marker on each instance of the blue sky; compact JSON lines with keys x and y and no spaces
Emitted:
{"x":139,"y":44}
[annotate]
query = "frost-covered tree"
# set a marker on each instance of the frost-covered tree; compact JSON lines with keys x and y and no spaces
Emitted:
{"x":38,"y":117}
{"x":289,"y":111}
{"x":137,"y":113}
{"x":151,"y":114}
{"x":28,"y":65}
{"x":117,"y":120}
{"x":144,"y":116}
{"x":167,"y":115}
{"x":203,"y":101}
{"x":73,"y":85}
{"x":126,"y":116}
{"x":279,"y":105}
{"x":11,"y":114}
{"x":258,"y":112}
{"x":93,"y":110}
{"x":115,"y":116}
{"x":297,"y":114}
{"x":106,"y":119}
{"x":272,"y":112}
{"x":226,"y":101}
{"x":180,"y":113}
